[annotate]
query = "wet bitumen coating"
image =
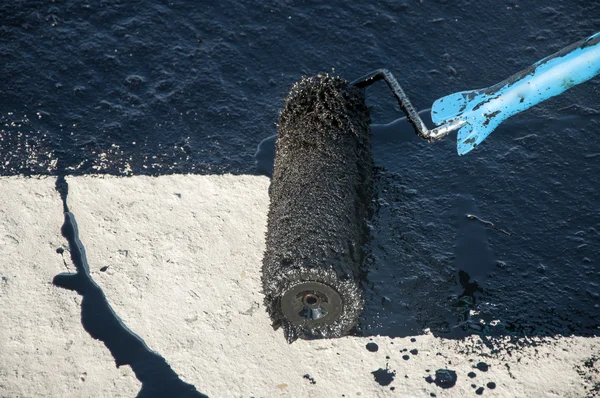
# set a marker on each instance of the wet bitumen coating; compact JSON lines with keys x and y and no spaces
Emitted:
{"x":102,"y":323}
{"x":153,"y":88}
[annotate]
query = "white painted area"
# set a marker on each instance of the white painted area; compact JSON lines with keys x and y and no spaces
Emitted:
{"x":44,"y":351}
{"x":184,"y":256}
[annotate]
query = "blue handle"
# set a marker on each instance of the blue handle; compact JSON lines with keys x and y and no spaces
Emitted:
{"x":481,"y":111}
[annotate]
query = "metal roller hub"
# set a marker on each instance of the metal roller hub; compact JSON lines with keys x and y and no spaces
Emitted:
{"x":311,"y":304}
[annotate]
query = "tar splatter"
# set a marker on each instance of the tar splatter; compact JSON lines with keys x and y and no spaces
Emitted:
{"x":414,"y":351}
{"x":491,"y":385}
{"x":444,"y":378}
{"x":471,"y":374}
{"x":484,"y":367}
{"x":406,"y":357}
{"x":372,"y":347}
{"x":590,"y":362}
{"x":479,"y":391}
{"x":310,"y":378}
{"x":384,"y":376}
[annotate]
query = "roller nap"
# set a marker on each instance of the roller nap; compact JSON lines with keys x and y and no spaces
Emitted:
{"x":320,"y":195}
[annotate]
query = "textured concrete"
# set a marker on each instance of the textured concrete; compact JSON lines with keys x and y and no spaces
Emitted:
{"x":183,"y":257}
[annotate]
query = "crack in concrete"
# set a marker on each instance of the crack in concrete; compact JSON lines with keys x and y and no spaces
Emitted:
{"x":102,"y":323}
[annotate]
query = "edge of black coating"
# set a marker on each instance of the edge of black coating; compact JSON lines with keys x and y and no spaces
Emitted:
{"x":102,"y":323}
{"x":320,"y":194}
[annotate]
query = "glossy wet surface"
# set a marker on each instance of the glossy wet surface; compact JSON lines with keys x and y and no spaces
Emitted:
{"x":502,"y":242}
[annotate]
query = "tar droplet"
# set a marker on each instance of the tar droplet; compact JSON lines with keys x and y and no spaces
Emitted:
{"x":479,"y":391}
{"x":445,"y":378}
{"x":432,"y":394}
{"x":310,"y":378}
{"x":412,"y":340}
{"x":103,"y":269}
{"x":471,"y":374}
{"x":414,"y":351}
{"x":474,"y":385}
{"x":60,"y":250}
{"x":491,"y":385}
{"x":405,"y":357}
{"x":482,"y":366}
{"x":383,"y":376}
{"x":372,"y":347}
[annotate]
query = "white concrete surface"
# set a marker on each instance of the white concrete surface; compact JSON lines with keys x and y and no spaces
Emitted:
{"x":184,"y":257}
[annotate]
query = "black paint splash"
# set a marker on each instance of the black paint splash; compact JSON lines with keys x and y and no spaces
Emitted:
{"x":484,"y":367}
{"x":102,"y":323}
{"x":444,"y":378}
{"x":384,"y":376}
{"x":310,"y":378}
{"x":372,"y":347}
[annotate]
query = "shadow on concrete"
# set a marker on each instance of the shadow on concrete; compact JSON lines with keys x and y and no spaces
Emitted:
{"x":102,"y":323}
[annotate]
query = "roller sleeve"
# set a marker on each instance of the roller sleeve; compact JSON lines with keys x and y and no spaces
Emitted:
{"x":320,"y":196}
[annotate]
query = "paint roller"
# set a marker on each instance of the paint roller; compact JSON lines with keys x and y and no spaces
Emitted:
{"x":322,"y":180}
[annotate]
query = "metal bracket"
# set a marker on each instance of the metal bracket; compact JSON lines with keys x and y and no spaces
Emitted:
{"x":406,"y":106}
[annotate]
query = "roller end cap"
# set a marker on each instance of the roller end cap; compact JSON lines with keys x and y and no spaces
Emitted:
{"x":311,"y":305}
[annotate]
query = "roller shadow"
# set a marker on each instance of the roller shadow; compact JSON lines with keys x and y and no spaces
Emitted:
{"x":102,"y":323}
